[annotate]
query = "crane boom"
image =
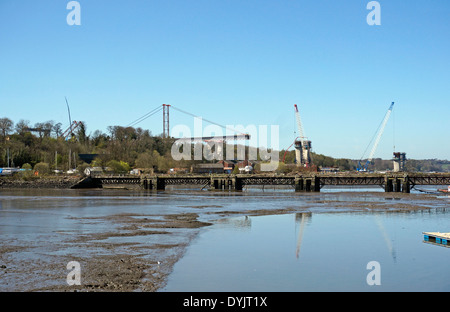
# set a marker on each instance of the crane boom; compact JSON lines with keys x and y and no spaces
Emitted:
{"x":383,"y":125}
{"x":299,"y":124}
{"x":380,"y":133}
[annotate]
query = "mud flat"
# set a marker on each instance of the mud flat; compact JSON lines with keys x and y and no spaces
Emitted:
{"x":137,"y":257}
{"x":131,"y":242}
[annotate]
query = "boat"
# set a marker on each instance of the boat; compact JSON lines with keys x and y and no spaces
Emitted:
{"x":8,"y":171}
{"x":445,"y":190}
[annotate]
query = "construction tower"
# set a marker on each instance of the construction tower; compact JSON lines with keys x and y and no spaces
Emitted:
{"x":302,"y":145}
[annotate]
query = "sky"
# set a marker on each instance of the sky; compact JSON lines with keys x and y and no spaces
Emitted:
{"x":235,"y":62}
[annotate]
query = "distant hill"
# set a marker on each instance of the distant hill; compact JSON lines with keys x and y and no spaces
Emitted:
{"x":378,"y":164}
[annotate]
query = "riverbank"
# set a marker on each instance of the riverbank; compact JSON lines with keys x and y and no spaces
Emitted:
{"x":60,"y":182}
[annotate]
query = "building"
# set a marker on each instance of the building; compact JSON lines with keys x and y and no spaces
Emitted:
{"x":224,"y":166}
{"x":87,"y":158}
{"x":228,"y":165}
{"x":207,"y":168}
{"x":177,"y":170}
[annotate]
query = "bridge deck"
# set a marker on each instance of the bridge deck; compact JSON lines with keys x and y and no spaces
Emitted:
{"x":311,"y":182}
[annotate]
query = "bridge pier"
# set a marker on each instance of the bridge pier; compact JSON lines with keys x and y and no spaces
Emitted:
{"x":160,"y":184}
{"x":237,"y":184}
{"x":406,"y":185}
{"x":397,"y":184}
{"x":226,"y":183}
{"x":153,"y":183}
{"x":388,"y":185}
{"x":307,"y":184}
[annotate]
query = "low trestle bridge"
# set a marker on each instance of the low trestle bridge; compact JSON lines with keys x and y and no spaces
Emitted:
{"x":390,"y":182}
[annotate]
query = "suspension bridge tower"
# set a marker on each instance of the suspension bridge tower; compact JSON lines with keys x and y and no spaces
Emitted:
{"x":166,"y":120}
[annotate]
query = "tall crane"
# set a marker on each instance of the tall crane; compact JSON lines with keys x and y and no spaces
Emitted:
{"x":299,"y":123}
{"x":375,"y":145}
{"x":302,"y":144}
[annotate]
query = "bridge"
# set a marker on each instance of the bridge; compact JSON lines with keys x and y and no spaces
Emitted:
{"x":311,"y":182}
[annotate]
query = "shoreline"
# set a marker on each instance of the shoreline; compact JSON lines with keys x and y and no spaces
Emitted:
{"x":44,"y":182}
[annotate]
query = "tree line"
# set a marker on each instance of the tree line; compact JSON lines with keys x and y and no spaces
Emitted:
{"x":47,"y":145}
{"x":25,"y":144}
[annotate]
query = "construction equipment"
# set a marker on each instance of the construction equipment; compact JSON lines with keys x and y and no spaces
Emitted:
{"x":69,"y":131}
{"x":46,"y":131}
{"x":219,"y":139}
{"x":374,"y":148}
{"x":302,"y":144}
{"x":399,"y":161}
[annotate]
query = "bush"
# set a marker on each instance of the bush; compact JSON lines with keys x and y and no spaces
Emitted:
{"x":27,"y":166}
{"x":118,"y":166}
{"x":42,"y":168}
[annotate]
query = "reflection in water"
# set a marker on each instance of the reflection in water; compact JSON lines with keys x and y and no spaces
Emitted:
{"x":386,"y":238}
{"x":239,"y":223}
{"x":303,"y":217}
{"x":334,"y":251}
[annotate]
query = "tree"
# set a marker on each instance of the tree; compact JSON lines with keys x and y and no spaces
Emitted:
{"x":48,"y":127}
{"x":99,"y":139}
{"x":42,"y":168}
{"x":145,"y":160}
{"x":57,"y":129}
{"x":81,"y":133}
{"x":21,"y":126}
{"x":118,"y":166}
{"x":27,"y":166}
{"x":6,"y":126}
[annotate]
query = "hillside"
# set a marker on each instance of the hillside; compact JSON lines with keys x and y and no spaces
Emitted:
{"x":412,"y":165}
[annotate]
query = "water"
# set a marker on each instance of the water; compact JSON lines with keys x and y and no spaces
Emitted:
{"x":312,"y":242}
{"x":316,"y":252}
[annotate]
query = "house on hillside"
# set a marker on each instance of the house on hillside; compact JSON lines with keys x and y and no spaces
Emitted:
{"x":228,"y":165}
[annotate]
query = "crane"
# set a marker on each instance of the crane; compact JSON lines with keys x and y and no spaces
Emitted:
{"x":69,"y":131}
{"x":299,"y":124}
{"x":302,"y":145}
{"x":380,"y":133}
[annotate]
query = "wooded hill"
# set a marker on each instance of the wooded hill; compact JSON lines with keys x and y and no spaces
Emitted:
{"x":123,"y":148}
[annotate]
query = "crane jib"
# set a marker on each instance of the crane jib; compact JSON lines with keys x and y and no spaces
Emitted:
{"x":380,"y":133}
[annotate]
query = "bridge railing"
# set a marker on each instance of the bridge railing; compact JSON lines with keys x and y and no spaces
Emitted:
{"x":304,"y":183}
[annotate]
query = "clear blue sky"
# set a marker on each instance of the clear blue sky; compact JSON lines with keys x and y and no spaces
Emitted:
{"x":237,"y":62}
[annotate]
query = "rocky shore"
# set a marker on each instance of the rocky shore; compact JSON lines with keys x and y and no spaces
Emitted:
{"x":61,"y":182}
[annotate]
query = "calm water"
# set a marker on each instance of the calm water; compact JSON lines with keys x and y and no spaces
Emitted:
{"x":320,"y":242}
{"x":317,"y":252}
{"x":320,"y":251}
